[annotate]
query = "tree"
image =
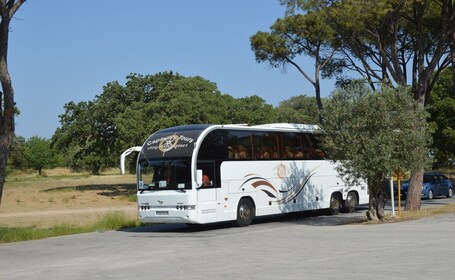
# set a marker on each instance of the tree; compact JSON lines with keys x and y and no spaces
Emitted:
{"x":39,"y":154}
{"x":383,"y":40}
{"x":89,"y":133}
{"x":93,"y":134}
{"x":298,"y":109}
{"x":7,"y":10}
{"x":250,"y":110}
{"x":371,"y":135}
{"x":16,"y":155}
{"x":291,"y":38}
{"x":442,"y":117}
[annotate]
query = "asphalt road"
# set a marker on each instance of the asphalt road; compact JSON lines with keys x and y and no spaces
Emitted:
{"x":285,"y":247}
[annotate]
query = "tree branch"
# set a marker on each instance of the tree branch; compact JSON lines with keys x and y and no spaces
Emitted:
{"x":13,"y":9}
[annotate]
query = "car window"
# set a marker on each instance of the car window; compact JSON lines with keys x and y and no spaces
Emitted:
{"x":427,"y":178}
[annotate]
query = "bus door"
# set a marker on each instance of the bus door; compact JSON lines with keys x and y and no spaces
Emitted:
{"x":207,"y":194}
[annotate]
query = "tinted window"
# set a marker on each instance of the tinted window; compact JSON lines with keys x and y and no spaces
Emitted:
{"x":292,"y":146}
{"x":266,"y":145}
{"x":239,"y":145}
{"x":311,"y":147}
{"x":213,"y":146}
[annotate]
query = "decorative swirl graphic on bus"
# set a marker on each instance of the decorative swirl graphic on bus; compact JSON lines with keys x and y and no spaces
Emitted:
{"x":281,"y":196}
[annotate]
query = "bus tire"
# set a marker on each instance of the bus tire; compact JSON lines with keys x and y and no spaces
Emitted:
{"x":351,"y":202}
{"x":335,"y":204}
{"x":245,"y":212}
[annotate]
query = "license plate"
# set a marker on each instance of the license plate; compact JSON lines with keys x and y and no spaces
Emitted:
{"x":161,"y":213}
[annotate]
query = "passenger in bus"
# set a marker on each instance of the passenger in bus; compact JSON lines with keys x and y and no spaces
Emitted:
{"x":288,"y":153}
{"x":275,"y":153}
{"x":319,"y":154}
{"x":231,"y":153}
{"x":299,"y":155}
{"x":264,"y":152}
{"x":242,"y":152}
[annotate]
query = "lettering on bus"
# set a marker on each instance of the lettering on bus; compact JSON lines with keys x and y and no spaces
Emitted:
{"x":167,"y":143}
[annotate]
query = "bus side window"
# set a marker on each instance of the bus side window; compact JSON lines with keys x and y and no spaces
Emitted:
{"x":311,"y":144}
{"x":292,"y":146}
{"x":239,"y":145}
{"x":265,"y":144}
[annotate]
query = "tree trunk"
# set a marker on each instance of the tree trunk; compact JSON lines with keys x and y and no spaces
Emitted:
{"x":317,"y":87}
{"x":376,"y":206}
{"x":453,"y":55}
{"x":6,"y":133}
{"x":415,"y":190}
{"x":7,"y":11}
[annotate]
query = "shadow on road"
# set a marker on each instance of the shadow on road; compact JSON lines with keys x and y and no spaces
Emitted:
{"x":309,"y":218}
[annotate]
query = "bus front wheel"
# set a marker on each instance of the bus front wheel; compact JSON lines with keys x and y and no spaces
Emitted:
{"x":245,"y":212}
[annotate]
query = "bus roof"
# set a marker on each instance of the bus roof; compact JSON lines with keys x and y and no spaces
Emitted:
{"x":291,"y":126}
{"x":273,"y":126}
{"x":178,"y":141}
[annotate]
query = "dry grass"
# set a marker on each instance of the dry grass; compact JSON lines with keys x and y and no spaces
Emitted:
{"x":423,"y":213}
{"x":413,"y":215}
{"x":62,"y":197}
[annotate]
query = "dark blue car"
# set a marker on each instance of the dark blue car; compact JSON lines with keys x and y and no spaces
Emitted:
{"x":434,"y":184}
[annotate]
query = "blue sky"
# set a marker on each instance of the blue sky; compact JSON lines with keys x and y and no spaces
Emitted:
{"x":62,"y":51}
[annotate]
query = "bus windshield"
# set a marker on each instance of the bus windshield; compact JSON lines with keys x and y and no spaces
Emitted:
{"x":164,"y":174}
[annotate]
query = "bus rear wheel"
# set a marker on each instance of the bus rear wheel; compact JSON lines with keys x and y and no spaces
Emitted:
{"x":350,"y":204}
{"x":245,"y":212}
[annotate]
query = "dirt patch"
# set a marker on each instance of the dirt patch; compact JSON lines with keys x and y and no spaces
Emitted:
{"x":44,"y":202}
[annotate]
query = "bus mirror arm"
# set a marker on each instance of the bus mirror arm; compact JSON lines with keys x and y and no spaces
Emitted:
{"x":124,"y":154}
{"x":199,"y":178}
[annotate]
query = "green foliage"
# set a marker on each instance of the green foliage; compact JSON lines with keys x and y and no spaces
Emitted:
{"x":442,"y":117}
{"x":374,"y":134}
{"x":115,"y":220}
{"x":291,"y":37}
{"x":295,"y":36}
{"x":251,"y":110}
{"x":16,"y":155}
{"x":93,"y":134}
{"x":39,"y":154}
{"x":298,"y":109}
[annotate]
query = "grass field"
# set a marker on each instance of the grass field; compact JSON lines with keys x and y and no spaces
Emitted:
{"x":61,"y":198}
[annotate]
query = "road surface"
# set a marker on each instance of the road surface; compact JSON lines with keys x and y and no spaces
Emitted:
{"x":285,"y":247}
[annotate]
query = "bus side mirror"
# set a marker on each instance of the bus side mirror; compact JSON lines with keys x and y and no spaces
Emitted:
{"x":199,"y":177}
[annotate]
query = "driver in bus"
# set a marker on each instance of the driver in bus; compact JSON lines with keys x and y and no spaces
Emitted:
{"x":206,"y":181}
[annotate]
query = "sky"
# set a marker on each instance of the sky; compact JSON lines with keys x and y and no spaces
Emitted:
{"x":62,"y":51}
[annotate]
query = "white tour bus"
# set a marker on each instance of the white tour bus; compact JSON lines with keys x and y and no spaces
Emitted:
{"x":200,"y":174}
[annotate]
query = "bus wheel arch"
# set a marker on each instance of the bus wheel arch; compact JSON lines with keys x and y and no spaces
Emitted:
{"x":335,"y":203}
{"x":351,"y":202}
{"x":246,"y":210}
